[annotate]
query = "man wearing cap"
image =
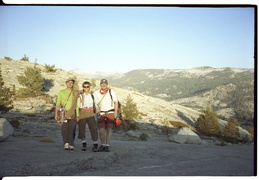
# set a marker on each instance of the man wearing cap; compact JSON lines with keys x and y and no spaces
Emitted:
{"x":67,"y":100}
{"x":107,"y":103}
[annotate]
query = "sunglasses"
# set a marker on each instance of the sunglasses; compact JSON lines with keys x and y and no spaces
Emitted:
{"x":86,"y":86}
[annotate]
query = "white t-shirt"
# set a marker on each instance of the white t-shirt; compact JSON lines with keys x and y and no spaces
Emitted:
{"x":107,"y":103}
{"x":88,"y":101}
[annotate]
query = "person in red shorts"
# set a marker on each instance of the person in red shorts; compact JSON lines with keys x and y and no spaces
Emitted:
{"x":107,"y":105}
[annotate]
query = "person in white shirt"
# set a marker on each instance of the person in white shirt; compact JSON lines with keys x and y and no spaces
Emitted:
{"x":86,"y":106}
{"x":107,"y":104}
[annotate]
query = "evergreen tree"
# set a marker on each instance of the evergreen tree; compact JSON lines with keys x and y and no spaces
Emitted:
{"x":5,"y":96}
{"x":208,"y":122}
{"x":33,"y":82}
{"x":130,"y":110}
{"x":231,"y":130}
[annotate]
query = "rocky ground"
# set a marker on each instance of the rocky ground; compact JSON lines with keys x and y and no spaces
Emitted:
{"x":25,"y":155}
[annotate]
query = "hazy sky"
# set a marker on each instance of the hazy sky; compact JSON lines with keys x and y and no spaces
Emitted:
{"x":111,"y":38}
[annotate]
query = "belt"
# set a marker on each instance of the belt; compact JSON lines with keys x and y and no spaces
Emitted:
{"x":107,"y":112}
{"x":88,"y":108}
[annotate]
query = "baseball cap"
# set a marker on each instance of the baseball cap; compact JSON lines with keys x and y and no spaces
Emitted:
{"x":104,"y":81}
{"x":70,"y":79}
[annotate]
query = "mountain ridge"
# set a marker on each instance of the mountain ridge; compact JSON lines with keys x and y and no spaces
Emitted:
{"x":94,"y":74}
{"x":194,"y":70}
{"x":198,"y":88}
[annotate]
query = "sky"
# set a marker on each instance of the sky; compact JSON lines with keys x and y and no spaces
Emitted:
{"x":124,"y":38}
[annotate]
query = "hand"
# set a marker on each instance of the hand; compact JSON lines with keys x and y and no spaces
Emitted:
{"x":56,"y":117}
{"x":115,"y":115}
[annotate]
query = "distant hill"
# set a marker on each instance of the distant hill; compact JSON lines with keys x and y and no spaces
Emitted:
{"x":94,"y":74}
{"x":221,"y":88}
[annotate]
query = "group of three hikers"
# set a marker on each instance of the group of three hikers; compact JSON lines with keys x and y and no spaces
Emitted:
{"x":81,"y":108}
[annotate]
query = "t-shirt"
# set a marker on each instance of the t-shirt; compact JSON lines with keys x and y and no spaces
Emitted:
{"x":88,"y":101}
{"x":107,"y":103}
{"x":64,"y":98}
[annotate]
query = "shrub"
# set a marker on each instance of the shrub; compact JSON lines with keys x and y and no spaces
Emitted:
{"x":25,"y":58}
{"x":129,"y":125}
{"x":8,"y":58}
{"x":15,"y":123}
{"x":50,"y":68}
{"x":143,"y":137}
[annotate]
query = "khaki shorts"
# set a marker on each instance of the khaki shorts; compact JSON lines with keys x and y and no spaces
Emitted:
{"x":106,"y":120}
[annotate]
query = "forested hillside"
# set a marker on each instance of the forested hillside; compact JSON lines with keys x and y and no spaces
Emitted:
{"x":236,"y":86}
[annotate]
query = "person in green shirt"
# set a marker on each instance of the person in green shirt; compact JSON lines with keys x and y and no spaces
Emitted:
{"x":67,"y":100}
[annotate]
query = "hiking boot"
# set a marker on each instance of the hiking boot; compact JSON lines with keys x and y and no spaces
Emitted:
{"x":95,"y":148}
{"x":101,"y":148}
{"x":71,"y":148}
{"x":106,"y":149}
{"x":84,"y":146}
{"x":66,"y":146}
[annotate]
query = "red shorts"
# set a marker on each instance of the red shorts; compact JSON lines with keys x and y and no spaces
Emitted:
{"x":106,"y":120}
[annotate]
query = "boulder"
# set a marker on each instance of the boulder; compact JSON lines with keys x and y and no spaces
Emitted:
{"x":6,"y":129}
{"x":185,"y":135}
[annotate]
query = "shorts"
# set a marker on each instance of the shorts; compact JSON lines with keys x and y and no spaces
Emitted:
{"x":106,"y":121}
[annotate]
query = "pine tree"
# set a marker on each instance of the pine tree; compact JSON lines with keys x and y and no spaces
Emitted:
{"x":33,"y":82}
{"x":5,"y":96}
{"x":130,"y":110}
{"x":231,"y":130}
{"x":208,"y":122}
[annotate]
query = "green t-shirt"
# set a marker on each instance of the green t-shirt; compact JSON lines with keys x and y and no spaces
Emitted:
{"x":64,"y":97}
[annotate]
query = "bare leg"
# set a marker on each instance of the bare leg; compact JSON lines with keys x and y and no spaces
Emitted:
{"x":102,"y":135}
{"x":108,"y":135}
